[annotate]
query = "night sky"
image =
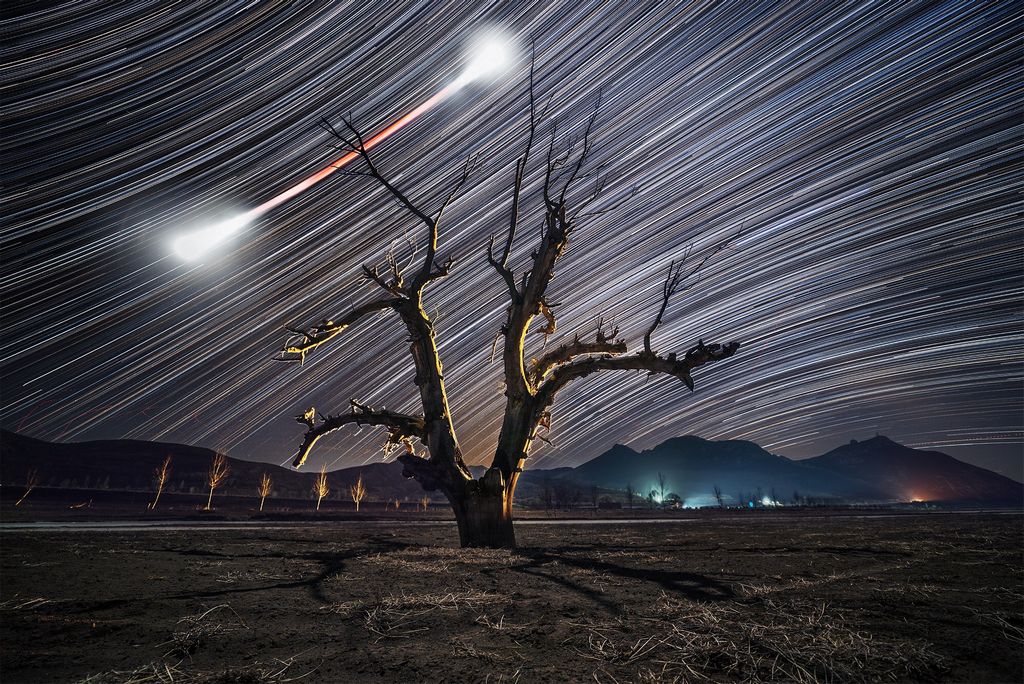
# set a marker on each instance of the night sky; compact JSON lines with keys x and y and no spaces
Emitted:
{"x":869,"y":151}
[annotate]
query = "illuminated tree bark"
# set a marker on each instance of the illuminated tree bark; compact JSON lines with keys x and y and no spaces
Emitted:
{"x":483,"y":507}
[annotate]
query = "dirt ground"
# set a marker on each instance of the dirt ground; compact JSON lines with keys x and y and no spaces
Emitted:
{"x":805,"y":598}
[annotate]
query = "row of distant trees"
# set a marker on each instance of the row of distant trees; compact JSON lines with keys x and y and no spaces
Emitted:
{"x":566,"y":494}
{"x":218,"y":472}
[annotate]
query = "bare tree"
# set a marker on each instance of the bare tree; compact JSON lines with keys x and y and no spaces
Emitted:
{"x":265,"y":487}
{"x":661,"y":488}
{"x":31,"y":481}
{"x":718,"y":496}
{"x":161,"y":474}
{"x":483,"y":507}
{"x":320,"y":486}
{"x":630,"y":494}
{"x":218,"y":471}
{"x":593,"y":496}
{"x":357,"y":491}
{"x":425,"y":502}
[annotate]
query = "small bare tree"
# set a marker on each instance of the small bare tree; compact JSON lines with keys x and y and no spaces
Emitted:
{"x":31,"y":480}
{"x":161,"y":474}
{"x":661,"y":488}
{"x":321,"y":487}
{"x":718,"y":496}
{"x":357,"y":491}
{"x":218,"y":471}
{"x":630,"y":495}
{"x":483,"y":507}
{"x":265,"y":487}
{"x":425,"y":502}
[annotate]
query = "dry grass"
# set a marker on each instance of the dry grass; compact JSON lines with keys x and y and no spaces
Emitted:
{"x":276,"y":672}
{"x":192,"y":631}
{"x":796,"y":641}
{"x":441,"y":560}
{"x":399,"y":616}
{"x":1013,"y":632}
{"x":410,"y":563}
{"x":873,"y":574}
{"x":234,"y":576}
{"x":499,"y":624}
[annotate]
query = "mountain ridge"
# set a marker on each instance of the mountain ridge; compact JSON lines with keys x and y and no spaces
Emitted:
{"x":874,"y":470}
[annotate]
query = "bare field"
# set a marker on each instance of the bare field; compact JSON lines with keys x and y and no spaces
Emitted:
{"x":904,"y":598}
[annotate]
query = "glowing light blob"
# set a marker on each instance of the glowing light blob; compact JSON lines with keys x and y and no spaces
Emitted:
{"x":198,"y":243}
{"x":490,"y":56}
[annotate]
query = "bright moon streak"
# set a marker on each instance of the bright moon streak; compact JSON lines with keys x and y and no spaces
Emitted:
{"x":489,"y":57}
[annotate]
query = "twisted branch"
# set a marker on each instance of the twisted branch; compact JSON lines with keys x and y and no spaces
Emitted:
{"x":327,"y":330}
{"x":401,"y":427}
{"x":602,"y":344}
{"x":671,"y":365}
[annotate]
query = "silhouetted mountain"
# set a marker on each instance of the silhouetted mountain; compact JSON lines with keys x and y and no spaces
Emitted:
{"x":907,"y":474}
{"x":693,"y":467}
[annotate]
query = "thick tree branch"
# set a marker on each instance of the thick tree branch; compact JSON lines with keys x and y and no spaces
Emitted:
{"x":401,"y":427}
{"x":696,"y":357}
{"x":445,"y":468}
{"x":603,"y":344}
{"x":327,"y":330}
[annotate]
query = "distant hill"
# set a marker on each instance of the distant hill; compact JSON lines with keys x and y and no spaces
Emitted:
{"x":908,"y":474}
{"x":693,"y":467}
{"x":874,"y":470}
{"x":129,"y":465}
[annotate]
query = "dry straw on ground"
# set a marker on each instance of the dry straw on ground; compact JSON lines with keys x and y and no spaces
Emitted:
{"x":792,"y":641}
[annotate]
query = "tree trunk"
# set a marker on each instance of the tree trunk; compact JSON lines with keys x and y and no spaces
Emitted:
{"x":262,"y":499}
{"x":209,"y":499}
{"x":484,"y":513}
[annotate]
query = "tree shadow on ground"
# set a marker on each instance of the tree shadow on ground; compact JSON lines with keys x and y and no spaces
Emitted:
{"x":691,"y":585}
{"x":332,"y":563}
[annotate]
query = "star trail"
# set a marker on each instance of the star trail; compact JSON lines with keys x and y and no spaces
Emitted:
{"x":870,"y":152}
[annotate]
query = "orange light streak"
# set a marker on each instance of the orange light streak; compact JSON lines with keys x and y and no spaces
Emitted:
{"x":341,"y":161}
